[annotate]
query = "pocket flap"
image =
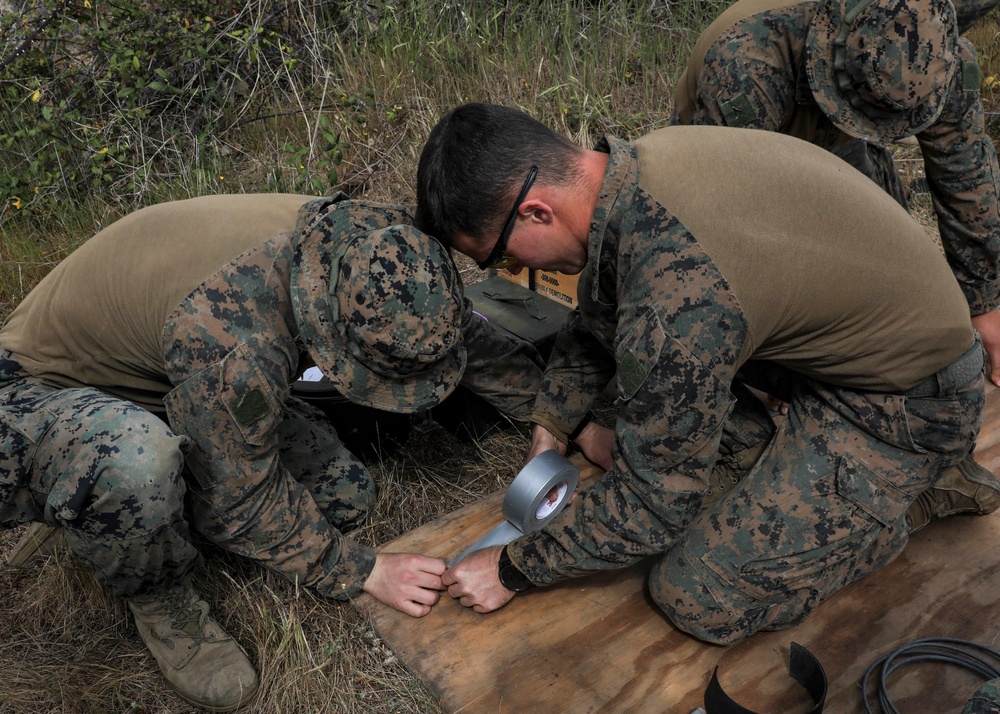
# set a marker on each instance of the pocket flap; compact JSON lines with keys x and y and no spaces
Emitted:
{"x":869,"y":491}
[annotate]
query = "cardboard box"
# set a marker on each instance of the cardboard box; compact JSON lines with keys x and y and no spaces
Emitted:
{"x":557,"y":286}
{"x":524,"y":278}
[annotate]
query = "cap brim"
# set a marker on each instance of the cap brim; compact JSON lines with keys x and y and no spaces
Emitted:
{"x":823,"y":84}
{"x":317,"y":257}
{"x":417,"y":392}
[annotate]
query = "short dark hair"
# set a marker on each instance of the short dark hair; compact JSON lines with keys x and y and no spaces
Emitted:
{"x":475,"y":160}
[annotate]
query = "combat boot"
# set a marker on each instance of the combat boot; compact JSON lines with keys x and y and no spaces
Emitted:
{"x":198,"y":658}
{"x":966,"y":487}
{"x":729,"y":470}
{"x":39,"y":540}
{"x":721,"y":482}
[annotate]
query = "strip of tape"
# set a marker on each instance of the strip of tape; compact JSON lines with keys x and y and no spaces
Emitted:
{"x":537,"y":495}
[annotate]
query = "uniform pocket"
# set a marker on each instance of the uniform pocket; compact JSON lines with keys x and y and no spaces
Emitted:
{"x":669,"y":402}
{"x":637,"y":354}
{"x":819,"y":551}
{"x":740,"y":102}
{"x":946,"y":425}
{"x":230,"y":413}
{"x":871,"y":492}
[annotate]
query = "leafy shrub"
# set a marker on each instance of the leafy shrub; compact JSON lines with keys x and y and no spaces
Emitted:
{"x":104,"y":93}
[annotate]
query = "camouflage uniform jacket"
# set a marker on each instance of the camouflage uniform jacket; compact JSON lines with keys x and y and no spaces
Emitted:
{"x":748,"y":70}
{"x":235,"y":335}
{"x":657,"y":314}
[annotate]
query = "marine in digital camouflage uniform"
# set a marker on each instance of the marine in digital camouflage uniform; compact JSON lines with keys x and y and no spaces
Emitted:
{"x":854,"y":76}
{"x":154,"y":365}
{"x":690,"y":275}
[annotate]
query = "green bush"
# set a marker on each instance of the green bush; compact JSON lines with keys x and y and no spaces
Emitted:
{"x":104,"y":94}
{"x":134,"y":101}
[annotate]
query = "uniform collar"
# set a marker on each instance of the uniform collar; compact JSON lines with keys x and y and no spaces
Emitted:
{"x":621,"y":179}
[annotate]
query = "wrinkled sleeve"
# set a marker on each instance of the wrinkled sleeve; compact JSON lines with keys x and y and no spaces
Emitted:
{"x":961,"y":167}
{"x":577,"y":372}
{"x":671,"y":410}
{"x":504,"y":371}
{"x":744,"y":82}
{"x":243,"y":499}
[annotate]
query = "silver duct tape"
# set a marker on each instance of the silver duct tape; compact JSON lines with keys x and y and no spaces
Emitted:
{"x":537,"y":494}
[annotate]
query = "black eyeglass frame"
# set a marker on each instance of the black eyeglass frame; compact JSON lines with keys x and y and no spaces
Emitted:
{"x":496,"y":255}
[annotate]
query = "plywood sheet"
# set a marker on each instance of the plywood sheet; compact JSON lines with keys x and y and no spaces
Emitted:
{"x":599,"y":644}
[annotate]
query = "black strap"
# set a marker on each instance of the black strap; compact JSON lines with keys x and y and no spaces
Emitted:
{"x":802,"y":666}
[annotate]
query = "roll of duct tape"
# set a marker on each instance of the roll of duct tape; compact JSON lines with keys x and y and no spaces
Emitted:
{"x":537,"y":494}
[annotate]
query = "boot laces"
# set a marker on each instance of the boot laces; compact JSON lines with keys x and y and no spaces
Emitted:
{"x":725,"y":478}
{"x":186,"y":616}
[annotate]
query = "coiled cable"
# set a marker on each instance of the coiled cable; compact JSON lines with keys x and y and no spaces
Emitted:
{"x":960,"y":653}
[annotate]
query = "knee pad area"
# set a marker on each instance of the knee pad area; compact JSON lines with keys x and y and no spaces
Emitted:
{"x":698,"y":603}
{"x":131,"y":482}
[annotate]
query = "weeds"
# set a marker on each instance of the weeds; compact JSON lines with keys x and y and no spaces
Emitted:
{"x":119,"y":100}
{"x":109,"y":106}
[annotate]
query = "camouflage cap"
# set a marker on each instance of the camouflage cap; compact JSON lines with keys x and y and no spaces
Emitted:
{"x":378,"y":304}
{"x":880,"y":69}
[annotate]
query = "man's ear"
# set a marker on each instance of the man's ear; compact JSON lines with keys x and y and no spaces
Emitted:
{"x":537,"y":210}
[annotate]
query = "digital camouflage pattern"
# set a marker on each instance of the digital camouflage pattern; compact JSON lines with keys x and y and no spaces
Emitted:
{"x":381,"y":315}
{"x":882,"y":69}
{"x":749,"y":69}
{"x":986,"y":700}
{"x":264,"y":474}
{"x":824,"y":504}
{"x":231,"y":348}
{"x":102,"y":468}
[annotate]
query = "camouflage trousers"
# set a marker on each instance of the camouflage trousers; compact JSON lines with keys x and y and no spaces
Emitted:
{"x":875,"y":162}
{"x":112,"y":475}
{"x":823,"y":506}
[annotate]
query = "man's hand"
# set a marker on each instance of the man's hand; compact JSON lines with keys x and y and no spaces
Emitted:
{"x":475,"y":582}
{"x":598,"y":444}
{"x":542,"y":440}
{"x":408,"y":582}
{"x":988,"y":325}
{"x":775,"y":405}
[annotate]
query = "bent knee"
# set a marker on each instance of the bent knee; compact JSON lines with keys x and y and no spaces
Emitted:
{"x":146,"y":456}
{"x":698,"y":603}
{"x":134,"y":479}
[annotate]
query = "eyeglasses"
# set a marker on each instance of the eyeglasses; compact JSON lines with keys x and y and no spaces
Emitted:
{"x":496,"y":258}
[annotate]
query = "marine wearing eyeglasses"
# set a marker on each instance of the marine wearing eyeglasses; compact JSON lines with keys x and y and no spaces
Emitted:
{"x":697,"y":250}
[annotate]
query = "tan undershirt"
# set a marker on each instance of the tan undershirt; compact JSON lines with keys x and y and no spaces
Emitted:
{"x":96,"y":319}
{"x":837,"y":281}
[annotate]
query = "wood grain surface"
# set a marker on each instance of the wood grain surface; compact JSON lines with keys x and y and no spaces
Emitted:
{"x":599,"y":644}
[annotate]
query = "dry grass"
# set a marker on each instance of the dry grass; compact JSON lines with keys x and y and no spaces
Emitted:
{"x":69,"y":647}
